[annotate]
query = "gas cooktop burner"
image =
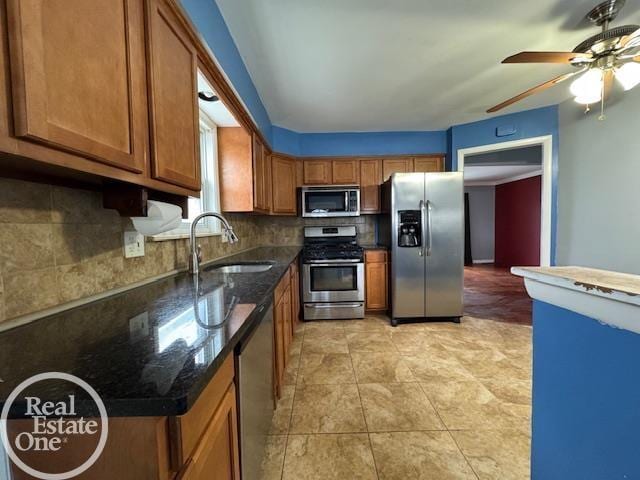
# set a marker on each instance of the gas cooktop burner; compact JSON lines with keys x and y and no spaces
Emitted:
{"x":331,"y":243}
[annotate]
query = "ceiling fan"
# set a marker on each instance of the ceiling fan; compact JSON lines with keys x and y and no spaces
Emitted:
{"x":612,"y":53}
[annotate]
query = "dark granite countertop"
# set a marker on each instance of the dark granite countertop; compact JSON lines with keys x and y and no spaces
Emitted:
{"x":144,"y":351}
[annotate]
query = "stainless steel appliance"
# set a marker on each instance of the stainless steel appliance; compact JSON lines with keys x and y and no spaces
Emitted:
{"x":424,"y":228}
{"x":332,"y":273}
{"x":334,"y":201}
{"x":254,"y":367}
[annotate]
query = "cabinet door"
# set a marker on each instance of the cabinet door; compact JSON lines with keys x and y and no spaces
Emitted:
{"x":345,"y":172}
{"x":370,"y":180}
{"x":295,"y":295}
{"x":317,"y":172}
{"x":396,"y":165}
{"x":428,"y":164}
{"x":283,"y":171}
{"x":216,"y":457}
{"x":172,"y":71}
{"x":376,"y":286}
{"x":279,"y":317}
{"x":287,"y":324}
{"x":78,"y":77}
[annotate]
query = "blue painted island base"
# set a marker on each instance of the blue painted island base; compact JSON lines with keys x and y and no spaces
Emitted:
{"x":586,"y":398}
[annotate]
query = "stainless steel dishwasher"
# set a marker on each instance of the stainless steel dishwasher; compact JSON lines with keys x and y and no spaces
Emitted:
{"x":254,"y":370}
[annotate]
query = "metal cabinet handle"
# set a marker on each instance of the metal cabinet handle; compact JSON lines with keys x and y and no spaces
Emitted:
{"x":429,"y":236}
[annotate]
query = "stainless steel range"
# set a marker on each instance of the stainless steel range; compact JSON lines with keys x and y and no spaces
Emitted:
{"x":332,"y":273}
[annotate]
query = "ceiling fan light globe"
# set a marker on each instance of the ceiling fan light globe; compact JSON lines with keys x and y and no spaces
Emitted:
{"x":588,"y":100}
{"x":628,"y":75}
{"x":588,"y":85}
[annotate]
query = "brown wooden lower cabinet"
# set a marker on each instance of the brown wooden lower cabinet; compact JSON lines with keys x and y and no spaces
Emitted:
{"x":286,"y":311}
{"x":201,"y":444}
{"x":216,"y":456}
{"x":376,"y":280}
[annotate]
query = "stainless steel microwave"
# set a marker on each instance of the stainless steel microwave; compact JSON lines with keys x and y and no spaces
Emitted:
{"x":334,"y":201}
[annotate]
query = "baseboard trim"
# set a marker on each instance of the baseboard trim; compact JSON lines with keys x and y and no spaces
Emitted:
{"x":486,"y":260}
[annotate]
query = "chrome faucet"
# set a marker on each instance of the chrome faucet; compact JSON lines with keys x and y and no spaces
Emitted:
{"x":194,"y":249}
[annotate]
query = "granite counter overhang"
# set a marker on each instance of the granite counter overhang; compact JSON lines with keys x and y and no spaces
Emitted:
{"x":612,"y":298}
{"x":149,"y":351}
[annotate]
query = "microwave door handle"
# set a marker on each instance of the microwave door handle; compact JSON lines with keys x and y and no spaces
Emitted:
{"x":423,"y":223}
{"x":346,"y":201}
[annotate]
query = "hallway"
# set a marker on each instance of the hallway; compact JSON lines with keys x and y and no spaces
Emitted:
{"x":494,"y":293}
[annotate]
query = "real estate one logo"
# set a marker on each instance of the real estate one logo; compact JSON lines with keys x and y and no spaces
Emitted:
{"x":52,"y":426}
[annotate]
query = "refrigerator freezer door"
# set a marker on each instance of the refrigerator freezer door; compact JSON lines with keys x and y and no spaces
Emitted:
{"x":408,"y":265}
{"x":444,"y":244}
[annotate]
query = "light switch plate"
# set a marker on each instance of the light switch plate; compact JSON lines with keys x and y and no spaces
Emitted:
{"x":133,"y":244}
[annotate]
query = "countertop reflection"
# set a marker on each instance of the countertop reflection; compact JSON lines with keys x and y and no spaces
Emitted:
{"x":148,"y":351}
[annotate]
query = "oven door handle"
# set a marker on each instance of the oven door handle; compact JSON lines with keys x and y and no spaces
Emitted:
{"x":335,"y":305}
{"x":333,"y":263}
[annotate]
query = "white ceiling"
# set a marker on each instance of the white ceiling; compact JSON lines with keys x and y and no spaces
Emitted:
{"x":378,"y":65}
{"x":494,"y":175}
{"x":216,"y":111}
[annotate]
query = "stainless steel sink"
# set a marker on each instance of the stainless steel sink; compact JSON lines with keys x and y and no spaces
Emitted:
{"x":242,"y":268}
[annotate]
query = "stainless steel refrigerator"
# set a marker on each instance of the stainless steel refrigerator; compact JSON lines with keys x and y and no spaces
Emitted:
{"x":423,"y":226}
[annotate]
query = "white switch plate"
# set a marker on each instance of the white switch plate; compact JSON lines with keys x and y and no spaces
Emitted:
{"x":133,"y":244}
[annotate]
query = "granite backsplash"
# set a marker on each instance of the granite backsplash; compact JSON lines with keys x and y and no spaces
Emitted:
{"x":58,"y":245}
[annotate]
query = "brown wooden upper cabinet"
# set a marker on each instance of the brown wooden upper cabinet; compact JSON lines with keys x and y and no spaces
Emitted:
{"x":78,"y":78}
{"x":317,"y":172}
{"x":284,"y":172}
{"x":261,"y":177}
{"x":245,"y":171}
{"x":173,"y":99}
{"x":433,"y":163}
{"x":370,"y":180}
{"x":396,"y":165}
{"x":331,"y":172}
{"x":345,"y":172}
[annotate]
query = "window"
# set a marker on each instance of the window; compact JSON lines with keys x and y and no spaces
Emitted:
{"x":209,"y":194}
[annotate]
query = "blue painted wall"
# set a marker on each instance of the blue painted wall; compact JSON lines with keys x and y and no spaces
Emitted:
{"x":207,"y":18}
{"x":358,"y":143}
{"x":586,"y":398}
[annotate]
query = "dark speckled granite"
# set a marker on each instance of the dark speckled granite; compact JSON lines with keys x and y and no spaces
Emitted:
{"x":158,"y":367}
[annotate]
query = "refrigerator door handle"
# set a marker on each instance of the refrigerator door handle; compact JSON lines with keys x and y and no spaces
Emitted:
{"x":429,"y":235}
{"x":423,"y":223}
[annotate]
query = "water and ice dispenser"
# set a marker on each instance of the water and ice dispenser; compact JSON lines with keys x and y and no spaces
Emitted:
{"x":409,"y":228}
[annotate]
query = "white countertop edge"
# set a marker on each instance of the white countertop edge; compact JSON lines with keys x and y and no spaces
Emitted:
{"x":617,"y":309}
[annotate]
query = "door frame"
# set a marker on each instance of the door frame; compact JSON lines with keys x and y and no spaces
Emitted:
{"x":546,"y":142}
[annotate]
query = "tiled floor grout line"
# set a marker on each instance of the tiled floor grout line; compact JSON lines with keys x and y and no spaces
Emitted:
{"x":463,"y":455}
{"x":295,"y":387}
{"x":366,"y":424}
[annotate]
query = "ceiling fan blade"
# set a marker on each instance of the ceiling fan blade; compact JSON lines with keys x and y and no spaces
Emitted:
{"x":534,"y":90}
{"x":628,"y":38}
{"x":546,"y":57}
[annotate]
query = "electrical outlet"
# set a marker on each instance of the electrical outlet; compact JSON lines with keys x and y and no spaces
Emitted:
{"x":133,"y":244}
{"x":224,"y":238}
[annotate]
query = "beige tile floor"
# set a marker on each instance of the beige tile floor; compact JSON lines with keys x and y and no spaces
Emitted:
{"x":364,"y":400}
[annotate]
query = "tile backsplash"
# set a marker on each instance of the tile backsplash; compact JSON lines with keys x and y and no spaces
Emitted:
{"x":58,"y":245}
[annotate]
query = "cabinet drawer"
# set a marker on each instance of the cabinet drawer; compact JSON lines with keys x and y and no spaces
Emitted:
{"x":187,"y":429}
{"x":375,"y":256}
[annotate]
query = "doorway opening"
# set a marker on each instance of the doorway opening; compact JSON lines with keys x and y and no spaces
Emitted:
{"x":508,"y":218}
